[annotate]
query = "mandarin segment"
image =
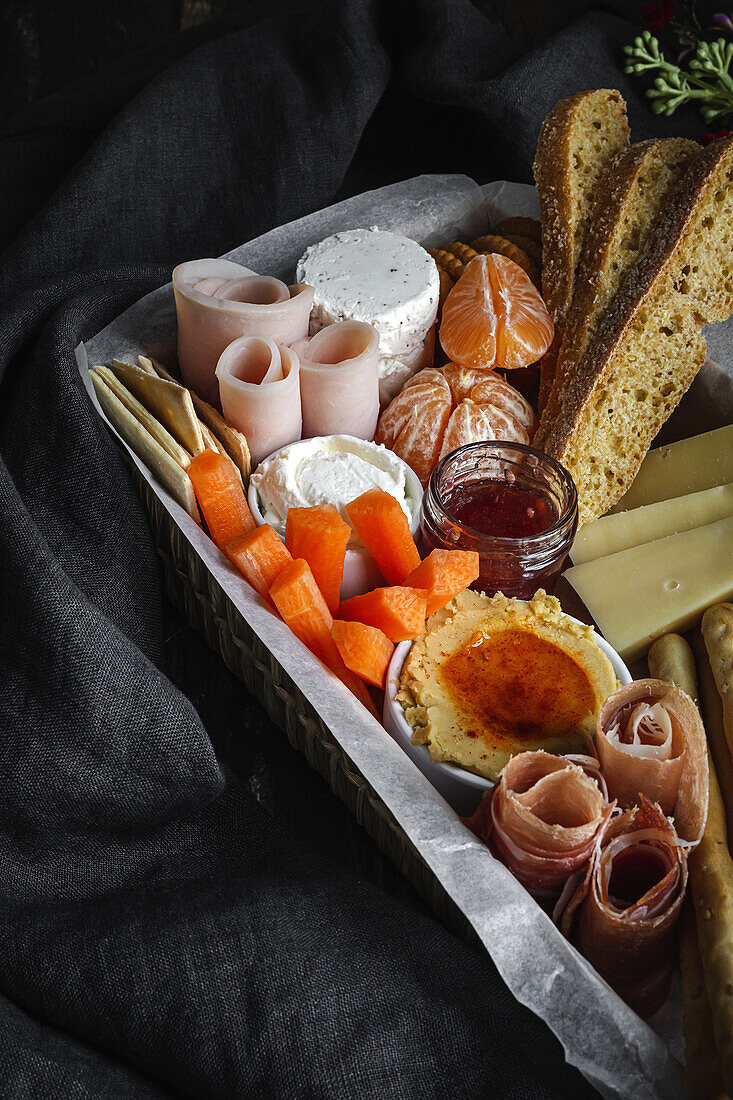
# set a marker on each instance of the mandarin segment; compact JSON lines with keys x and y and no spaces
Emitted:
{"x":469,"y":326}
{"x":496,"y":391}
{"x":526,"y":329}
{"x":471,"y":423}
{"x":413,"y":423}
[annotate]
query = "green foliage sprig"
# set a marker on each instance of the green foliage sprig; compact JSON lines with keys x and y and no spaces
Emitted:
{"x":707,"y":82}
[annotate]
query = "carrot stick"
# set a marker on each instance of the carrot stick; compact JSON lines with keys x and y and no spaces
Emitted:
{"x":443,"y":575}
{"x":221,"y":497}
{"x":382,"y":526}
{"x":259,"y":556}
{"x":299,"y":600}
{"x":366,"y":650}
{"x":398,"y":612}
{"x":321,"y":536}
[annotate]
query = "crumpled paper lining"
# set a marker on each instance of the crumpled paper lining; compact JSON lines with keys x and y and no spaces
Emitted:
{"x":616,"y":1051}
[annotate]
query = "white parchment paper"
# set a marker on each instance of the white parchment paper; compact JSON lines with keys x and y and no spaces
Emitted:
{"x":616,"y":1051}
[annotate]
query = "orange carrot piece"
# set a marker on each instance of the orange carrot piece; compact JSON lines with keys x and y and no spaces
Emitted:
{"x":366,"y":650}
{"x":382,"y":526}
{"x":321,"y":536}
{"x":398,"y":612}
{"x":302,"y":606}
{"x":443,"y":575}
{"x":219,"y":491}
{"x":259,"y":556}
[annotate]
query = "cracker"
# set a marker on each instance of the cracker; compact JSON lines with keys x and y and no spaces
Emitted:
{"x":160,"y":434}
{"x":169,"y":473}
{"x":233,"y":441}
{"x":169,"y":401}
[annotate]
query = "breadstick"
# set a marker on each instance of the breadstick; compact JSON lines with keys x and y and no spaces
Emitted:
{"x":702,"y":1068}
{"x":671,"y":659}
{"x":712,"y":716}
{"x":717,"y":630}
{"x":711,"y":880}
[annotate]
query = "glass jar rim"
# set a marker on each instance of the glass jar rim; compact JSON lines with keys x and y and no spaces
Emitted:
{"x":505,"y":541}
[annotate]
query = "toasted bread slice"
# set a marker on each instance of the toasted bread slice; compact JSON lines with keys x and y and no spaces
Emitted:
{"x":649,"y":345}
{"x":577,"y":141}
{"x":624,"y":211}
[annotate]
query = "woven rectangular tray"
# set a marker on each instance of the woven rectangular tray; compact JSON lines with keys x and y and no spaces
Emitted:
{"x":196,"y":593}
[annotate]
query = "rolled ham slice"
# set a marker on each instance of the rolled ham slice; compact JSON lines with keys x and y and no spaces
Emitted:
{"x":339,"y":380}
{"x":542,"y":820}
{"x":650,"y":740}
{"x":218,"y":301}
{"x":623,"y":915}
{"x":259,"y":383}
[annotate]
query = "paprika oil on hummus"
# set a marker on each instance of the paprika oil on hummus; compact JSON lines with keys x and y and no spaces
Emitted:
{"x":492,"y":677}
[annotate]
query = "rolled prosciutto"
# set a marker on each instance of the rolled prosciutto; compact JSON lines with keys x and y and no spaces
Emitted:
{"x":339,"y":380}
{"x":218,"y":301}
{"x":650,"y":740}
{"x":542,"y":820}
{"x":623,"y":915}
{"x":259,"y":383}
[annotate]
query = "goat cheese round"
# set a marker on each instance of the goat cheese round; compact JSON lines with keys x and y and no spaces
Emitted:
{"x":332,"y":469}
{"x":375,"y":276}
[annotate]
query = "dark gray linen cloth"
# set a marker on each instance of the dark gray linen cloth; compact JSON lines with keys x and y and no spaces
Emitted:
{"x":160,"y":933}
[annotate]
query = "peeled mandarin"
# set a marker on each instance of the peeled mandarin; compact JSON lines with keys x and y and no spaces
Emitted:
{"x":495,"y":317}
{"x":440,"y":410}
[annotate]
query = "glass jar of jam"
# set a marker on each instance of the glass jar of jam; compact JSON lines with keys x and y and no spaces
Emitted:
{"x":513,"y":504}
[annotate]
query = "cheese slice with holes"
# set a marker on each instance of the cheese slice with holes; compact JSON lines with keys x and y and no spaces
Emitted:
{"x":639,"y":594}
{"x":681,"y":468}
{"x":610,"y":534}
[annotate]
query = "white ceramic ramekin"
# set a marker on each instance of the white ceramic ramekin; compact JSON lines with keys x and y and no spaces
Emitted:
{"x":360,"y":572}
{"x":460,"y":788}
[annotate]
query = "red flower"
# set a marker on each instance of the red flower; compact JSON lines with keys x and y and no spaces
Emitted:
{"x":657,"y":16}
{"x":706,"y":139}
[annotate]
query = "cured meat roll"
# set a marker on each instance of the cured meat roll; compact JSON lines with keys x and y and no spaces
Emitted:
{"x":623,"y":916}
{"x":339,"y":380}
{"x":542,"y":820}
{"x":650,"y":740}
{"x":218,"y":301}
{"x":259,"y":383}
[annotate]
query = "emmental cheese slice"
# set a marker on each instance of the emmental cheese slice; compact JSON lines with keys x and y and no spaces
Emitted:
{"x":681,"y":468}
{"x":639,"y":594}
{"x":609,"y":534}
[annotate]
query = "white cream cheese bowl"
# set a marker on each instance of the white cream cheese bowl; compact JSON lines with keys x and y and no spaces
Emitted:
{"x":460,"y":788}
{"x":360,"y":572}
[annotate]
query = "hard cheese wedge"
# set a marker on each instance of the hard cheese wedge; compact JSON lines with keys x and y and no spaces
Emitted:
{"x":681,"y":468}
{"x":639,"y":594}
{"x":609,"y":534}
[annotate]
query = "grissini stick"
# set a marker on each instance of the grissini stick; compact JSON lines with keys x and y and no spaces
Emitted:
{"x":712,"y":714}
{"x":702,"y":1068}
{"x":711,"y":879}
{"x":717,"y":630}
{"x":671,"y":659}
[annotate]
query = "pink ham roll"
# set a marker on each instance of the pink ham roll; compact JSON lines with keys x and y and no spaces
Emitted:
{"x":259,"y":384}
{"x":339,"y":380}
{"x":650,"y":741}
{"x":218,"y":301}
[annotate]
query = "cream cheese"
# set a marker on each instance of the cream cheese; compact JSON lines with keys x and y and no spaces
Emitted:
{"x":371,"y":275}
{"x":332,"y":469}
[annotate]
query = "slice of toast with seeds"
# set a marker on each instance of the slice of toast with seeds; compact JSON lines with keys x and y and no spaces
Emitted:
{"x":578,"y":139}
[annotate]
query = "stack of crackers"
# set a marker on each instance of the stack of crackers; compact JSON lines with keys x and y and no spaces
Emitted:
{"x":166,"y":424}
